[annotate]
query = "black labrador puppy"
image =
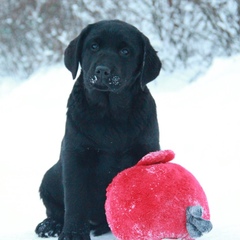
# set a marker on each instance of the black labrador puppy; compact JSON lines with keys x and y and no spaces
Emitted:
{"x":111,"y":124}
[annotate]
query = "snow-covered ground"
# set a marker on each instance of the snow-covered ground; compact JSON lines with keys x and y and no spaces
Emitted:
{"x":200,"y":122}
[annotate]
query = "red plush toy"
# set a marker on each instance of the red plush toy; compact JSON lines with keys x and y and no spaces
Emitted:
{"x":155,"y":200}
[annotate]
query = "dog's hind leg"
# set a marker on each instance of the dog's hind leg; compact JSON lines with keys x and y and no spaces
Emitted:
{"x":51,"y":192}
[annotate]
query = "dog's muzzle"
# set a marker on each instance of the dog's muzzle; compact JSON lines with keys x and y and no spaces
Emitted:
{"x":105,"y":83}
{"x":104,"y":80}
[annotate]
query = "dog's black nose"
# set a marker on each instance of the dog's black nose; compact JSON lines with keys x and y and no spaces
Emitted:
{"x":102,"y":71}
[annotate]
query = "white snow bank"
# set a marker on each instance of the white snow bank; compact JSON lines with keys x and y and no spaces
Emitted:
{"x":200,"y":123}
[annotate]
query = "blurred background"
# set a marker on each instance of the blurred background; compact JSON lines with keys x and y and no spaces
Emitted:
{"x":188,"y":34}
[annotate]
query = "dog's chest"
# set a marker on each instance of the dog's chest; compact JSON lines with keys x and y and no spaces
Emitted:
{"x":108,"y":123}
{"x":111,"y":134}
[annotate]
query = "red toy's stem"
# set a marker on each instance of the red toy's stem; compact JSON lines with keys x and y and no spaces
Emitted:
{"x":157,"y":157}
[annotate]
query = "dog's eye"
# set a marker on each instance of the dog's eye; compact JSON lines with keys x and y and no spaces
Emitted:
{"x":94,"y":47}
{"x":124,"y":52}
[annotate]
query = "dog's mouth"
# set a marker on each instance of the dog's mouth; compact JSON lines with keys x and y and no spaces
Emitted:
{"x":101,"y":88}
{"x":112,"y":83}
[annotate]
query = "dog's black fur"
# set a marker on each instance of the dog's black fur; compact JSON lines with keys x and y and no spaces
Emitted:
{"x":111,"y":124}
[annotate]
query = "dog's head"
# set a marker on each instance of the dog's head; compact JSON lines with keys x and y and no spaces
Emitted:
{"x":113,"y":55}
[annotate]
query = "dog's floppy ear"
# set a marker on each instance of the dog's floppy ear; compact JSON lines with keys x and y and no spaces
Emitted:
{"x":72,"y":54}
{"x":151,"y":63}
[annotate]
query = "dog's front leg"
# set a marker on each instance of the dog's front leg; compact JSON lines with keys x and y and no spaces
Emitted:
{"x":76,"y":195}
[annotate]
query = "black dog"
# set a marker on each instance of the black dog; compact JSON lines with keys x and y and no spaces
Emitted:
{"x":111,"y":124}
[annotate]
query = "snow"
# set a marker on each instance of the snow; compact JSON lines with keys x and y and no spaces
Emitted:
{"x":199,"y":122}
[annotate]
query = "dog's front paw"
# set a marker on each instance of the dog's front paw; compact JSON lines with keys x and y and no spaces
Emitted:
{"x":48,"y":228}
{"x":100,"y":229}
{"x":74,"y":236}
